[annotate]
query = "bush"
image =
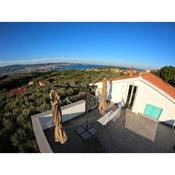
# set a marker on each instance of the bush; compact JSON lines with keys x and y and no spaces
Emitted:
{"x":16,"y":132}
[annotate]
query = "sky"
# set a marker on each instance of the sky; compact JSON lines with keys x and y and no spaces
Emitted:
{"x":144,"y":45}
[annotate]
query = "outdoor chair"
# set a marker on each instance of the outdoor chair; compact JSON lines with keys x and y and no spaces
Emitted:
{"x":109,"y":116}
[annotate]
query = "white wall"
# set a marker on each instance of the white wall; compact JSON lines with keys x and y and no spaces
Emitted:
{"x":69,"y":112}
{"x":120,"y":88}
{"x":43,"y":121}
{"x":146,"y":93}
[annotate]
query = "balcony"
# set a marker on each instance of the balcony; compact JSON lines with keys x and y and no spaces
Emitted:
{"x":129,"y":133}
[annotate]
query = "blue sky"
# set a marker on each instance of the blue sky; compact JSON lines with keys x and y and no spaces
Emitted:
{"x":145,"y":45}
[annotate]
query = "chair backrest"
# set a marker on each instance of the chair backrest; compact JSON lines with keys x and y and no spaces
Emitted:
{"x":109,"y":116}
{"x":103,"y":119}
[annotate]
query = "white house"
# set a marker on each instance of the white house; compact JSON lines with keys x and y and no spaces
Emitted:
{"x":146,"y":94}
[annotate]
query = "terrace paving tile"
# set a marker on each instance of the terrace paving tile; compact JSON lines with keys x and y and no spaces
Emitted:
{"x":130,"y":133}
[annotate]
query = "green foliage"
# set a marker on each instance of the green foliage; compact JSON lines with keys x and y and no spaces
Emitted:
{"x":17,"y":80}
{"x":16,"y":133}
{"x":166,"y":73}
{"x":23,"y":142}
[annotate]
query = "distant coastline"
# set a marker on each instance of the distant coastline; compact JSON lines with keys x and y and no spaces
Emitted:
{"x":80,"y":67}
{"x":45,"y":67}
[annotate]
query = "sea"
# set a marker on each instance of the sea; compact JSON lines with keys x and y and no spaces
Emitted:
{"x":79,"y":67}
{"x":89,"y":66}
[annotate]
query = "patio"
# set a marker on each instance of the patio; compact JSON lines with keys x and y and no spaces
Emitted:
{"x":130,"y":133}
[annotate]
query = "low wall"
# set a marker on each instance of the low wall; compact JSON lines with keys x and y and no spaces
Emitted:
{"x":44,"y":121}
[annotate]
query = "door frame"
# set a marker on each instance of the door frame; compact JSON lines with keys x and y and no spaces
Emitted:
{"x":131,"y":96}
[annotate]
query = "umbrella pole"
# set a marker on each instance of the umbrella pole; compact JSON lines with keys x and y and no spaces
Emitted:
{"x":86,"y":131}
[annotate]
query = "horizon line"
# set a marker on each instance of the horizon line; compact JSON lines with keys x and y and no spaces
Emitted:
{"x":71,"y":62}
{"x":4,"y":63}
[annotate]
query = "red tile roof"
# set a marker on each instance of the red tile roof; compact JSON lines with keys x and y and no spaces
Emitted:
{"x":16,"y":91}
{"x":156,"y":81}
{"x":153,"y":79}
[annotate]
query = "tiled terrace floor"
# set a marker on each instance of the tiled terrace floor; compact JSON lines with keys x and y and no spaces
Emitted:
{"x":130,"y":133}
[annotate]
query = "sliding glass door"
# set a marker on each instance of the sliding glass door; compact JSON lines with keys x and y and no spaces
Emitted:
{"x":131,"y":96}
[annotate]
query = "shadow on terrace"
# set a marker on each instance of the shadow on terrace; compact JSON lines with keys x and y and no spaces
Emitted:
{"x":129,"y":133}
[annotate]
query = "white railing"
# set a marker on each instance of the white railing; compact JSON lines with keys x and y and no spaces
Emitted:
{"x":44,"y":121}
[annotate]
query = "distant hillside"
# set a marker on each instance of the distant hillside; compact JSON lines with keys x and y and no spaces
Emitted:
{"x":33,"y":67}
{"x":45,"y":67}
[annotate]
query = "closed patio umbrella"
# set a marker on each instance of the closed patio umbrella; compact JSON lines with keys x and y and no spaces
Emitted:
{"x":59,"y":133}
{"x":103,"y":98}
